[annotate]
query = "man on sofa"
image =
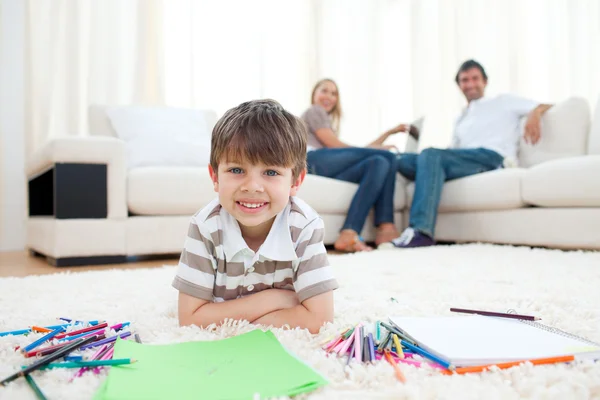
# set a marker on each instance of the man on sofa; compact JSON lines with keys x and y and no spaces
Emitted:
{"x":486,"y":137}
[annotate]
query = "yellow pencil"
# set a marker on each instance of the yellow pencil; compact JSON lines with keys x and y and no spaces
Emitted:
{"x":398,"y":346}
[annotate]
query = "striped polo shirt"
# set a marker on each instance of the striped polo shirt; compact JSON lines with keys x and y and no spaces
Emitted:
{"x":217,"y":265}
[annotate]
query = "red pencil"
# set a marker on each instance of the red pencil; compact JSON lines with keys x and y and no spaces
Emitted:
{"x":88,"y":329}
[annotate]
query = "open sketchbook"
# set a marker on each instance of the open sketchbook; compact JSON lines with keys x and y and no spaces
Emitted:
{"x":467,"y":341}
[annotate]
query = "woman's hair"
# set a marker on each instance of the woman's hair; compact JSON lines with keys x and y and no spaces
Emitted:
{"x":336,"y":112}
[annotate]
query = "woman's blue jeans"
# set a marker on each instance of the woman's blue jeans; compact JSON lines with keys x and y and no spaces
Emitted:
{"x":374,"y":171}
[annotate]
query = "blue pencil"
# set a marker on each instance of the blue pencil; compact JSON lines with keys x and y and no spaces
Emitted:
{"x":41,"y":340}
{"x":73,"y":358}
{"x":426,"y":354}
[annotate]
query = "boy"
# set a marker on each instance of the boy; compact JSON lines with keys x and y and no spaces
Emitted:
{"x":256,"y":239}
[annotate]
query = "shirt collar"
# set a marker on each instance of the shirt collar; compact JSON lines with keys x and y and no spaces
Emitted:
{"x":278,"y":245}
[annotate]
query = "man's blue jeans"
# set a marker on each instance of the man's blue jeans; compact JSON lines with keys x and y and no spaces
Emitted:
{"x":374,"y":171}
{"x":431,"y":168}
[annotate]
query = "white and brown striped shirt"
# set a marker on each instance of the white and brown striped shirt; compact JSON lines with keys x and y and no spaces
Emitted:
{"x":217,"y":264}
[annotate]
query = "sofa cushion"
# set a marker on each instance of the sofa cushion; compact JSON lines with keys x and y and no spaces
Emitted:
{"x":594,"y":138}
{"x":185,"y":190}
{"x":565,"y":129}
{"x":494,"y":190}
{"x":332,"y":196}
{"x":569,"y":182}
{"x":168,"y":190}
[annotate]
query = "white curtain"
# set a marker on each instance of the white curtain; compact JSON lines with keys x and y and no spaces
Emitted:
{"x":394,"y":60}
{"x":82,"y":52}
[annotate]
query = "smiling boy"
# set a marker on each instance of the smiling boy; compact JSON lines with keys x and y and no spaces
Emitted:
{"x":256,"y":252}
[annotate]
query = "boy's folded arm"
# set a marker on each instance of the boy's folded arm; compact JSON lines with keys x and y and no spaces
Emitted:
{"x":311,"y":314}
{"x":195,"y":311}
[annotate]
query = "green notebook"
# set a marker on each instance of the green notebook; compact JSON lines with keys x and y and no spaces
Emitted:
{"x":240,"y":367}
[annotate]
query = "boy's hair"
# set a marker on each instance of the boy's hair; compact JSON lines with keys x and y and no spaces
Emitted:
{"x":260,"y":131}
{"x":467,"y":65}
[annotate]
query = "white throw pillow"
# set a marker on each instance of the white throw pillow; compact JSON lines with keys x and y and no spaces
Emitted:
{"x":162,"y":136}
{"x":564,"y":133}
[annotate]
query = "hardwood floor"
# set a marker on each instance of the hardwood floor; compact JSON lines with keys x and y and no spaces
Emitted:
{"x":20,"y":263}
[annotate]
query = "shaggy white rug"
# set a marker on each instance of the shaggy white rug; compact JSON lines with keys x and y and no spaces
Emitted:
{"x":561,"y":287}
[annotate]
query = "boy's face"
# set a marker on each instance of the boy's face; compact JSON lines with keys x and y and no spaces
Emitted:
{"x":254,"y":194}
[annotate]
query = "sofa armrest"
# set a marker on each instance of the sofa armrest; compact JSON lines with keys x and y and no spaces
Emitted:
{"x":107,"y":151}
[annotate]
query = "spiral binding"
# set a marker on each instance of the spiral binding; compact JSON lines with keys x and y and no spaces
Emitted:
{"x":554,"y":330}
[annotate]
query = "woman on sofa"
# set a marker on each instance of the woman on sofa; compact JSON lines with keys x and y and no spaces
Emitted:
{"x":372,"y":167}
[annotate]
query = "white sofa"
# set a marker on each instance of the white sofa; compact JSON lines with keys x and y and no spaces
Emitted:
{"x":86,"y":207}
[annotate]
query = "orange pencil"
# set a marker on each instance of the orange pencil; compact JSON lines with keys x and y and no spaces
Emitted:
{"x":539,"y":361}
{"x":397,"y":369}
{"x":40,"y":329}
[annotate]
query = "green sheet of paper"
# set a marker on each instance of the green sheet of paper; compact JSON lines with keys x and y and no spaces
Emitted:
{"x":234,"y":368}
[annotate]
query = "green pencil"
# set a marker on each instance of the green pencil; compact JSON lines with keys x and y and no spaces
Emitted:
{"x":92,"y":363}
{"x":38,"y":392}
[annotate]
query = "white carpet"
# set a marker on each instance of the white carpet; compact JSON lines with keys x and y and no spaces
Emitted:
{"x":561,"y":287}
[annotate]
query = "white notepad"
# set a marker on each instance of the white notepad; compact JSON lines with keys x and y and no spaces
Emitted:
{"x":478,"y":340}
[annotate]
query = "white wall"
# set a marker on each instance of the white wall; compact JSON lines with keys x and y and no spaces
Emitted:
{"x":12,"y":125}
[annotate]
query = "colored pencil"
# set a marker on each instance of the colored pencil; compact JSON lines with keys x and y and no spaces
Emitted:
{"x":91,"y":363}
{"x":104,"y":341}
{"x":351,"y":354}
{"x":28,"y":330}
{"x":41,"y":340}
{"x":84,"y":330}
{"x":38,"y":392}
{"x":377,"y":332}
{"x":496,"y":314}
{"x":358,"y":343}
{"x":96,"y":356}
{"x":347,"y":343}
{"x":84,"y":334}
{"x":539,"y":361}
{"x":73,"y":358}
{"x":44,"y":351}
{"x":40,"y":329}
{"x":428,"y":355}
{"x":398,"y":346}
{"x":371,"y":347}
{"x":137,"y":338}
{"x":397,"y":332}
{"x":48,"y":359}
{"x":397,"y":369}
{"x":338,"y":347}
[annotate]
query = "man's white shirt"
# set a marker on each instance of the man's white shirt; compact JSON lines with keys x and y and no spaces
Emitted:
{"x":492,"y":123}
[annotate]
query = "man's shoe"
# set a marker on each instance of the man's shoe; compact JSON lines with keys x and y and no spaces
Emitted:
{"x":412,"y":238}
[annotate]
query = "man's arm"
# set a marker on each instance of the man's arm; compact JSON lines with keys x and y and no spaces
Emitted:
{"x":311,"y":314}
{"x":194,"y":311}
{"x":412,"y":131}
{"x":532,"y":126}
